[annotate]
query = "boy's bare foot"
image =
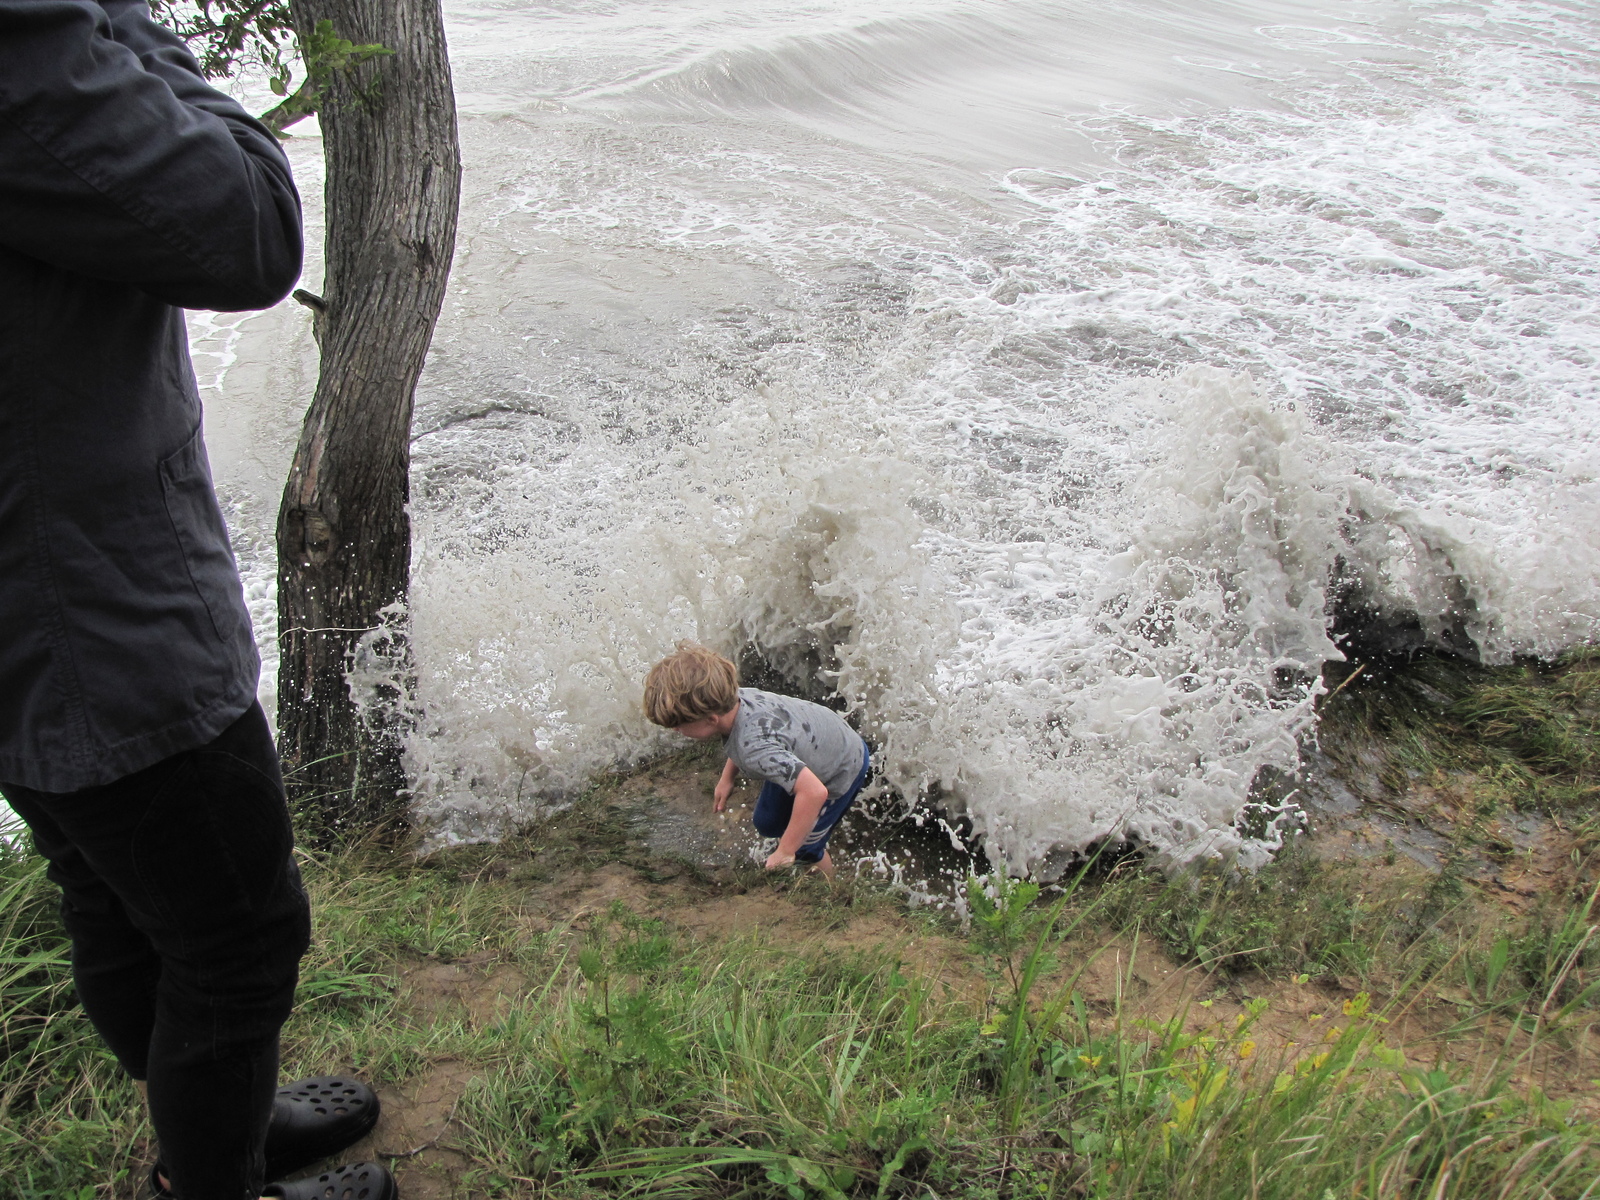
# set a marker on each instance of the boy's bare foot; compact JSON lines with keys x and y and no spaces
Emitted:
{"x":825,"y":865}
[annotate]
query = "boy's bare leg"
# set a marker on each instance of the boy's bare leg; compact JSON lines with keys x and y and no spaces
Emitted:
{"x":825,"y":865}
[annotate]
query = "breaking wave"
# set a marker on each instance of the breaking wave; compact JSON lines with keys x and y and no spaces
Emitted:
{"x":1049,"y":475}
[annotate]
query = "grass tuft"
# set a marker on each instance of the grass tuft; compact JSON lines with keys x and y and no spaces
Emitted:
{"x":68,"y":1117}
{"x":1528,"y":732}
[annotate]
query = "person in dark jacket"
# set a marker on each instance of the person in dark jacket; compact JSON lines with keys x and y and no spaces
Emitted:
{"x":131,"y":741}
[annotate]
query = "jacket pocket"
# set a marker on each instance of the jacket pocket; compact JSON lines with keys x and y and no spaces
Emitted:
{"x":197,"y":521}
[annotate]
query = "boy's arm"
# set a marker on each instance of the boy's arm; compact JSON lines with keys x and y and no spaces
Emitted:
{"x":724,"y":787}
{"x":810,"y":794}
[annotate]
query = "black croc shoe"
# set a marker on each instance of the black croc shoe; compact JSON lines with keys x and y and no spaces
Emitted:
{"x":354,"y":1181}
{"x":315,"y":1118}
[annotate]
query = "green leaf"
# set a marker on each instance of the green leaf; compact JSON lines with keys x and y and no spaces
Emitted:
{"x":897,"y":1163}
{"x":644,"y":955}
{"x":1499,"y":956}
{"x":326,"y":983}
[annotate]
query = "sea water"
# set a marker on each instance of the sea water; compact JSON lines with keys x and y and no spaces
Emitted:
{"x":1028,"y":374}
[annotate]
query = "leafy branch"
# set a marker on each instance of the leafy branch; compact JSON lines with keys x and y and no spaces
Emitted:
{"x":326,"y":55}
{"x":227,"y":36}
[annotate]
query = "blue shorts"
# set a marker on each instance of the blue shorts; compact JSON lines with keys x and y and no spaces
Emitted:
{"x":776,"y":804}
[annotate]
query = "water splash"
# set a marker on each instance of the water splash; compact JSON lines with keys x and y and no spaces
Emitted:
{"x":1047,"y":473}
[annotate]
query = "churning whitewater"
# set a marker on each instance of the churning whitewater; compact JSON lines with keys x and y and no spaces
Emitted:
{"x":1031,"y":374}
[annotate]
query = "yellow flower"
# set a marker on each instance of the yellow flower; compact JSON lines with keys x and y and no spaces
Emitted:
{"x":1090,"y":1063}
{"x":1314,"y":1017}
{"x":1184,"y":1111}
{"x":1246,"y":1048}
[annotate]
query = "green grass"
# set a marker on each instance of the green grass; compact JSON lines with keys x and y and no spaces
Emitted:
{"x":68,"y":1118}
{"x":1299,"y":914}
{"x":1529,"y":733}
{"x":633,"y":1061}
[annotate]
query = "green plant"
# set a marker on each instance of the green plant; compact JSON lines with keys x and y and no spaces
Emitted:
{"x":1012,"y":932}
{"x":326,"y":55}
{"x":67,"y":1116}
{"x":1559,"y":955}
{"x":1297,"y":914}
{"x":627,"y":1058}
{"x":1528,"y":733}
{"x":228,"y":36}
{"x":1490,"y":984}
{"x":628,"y":1045}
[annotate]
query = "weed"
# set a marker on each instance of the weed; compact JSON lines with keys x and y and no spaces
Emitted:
{"x":67,"y":1116}
{"x":1559,"y":954}
{"x":1297,"y":914}
{"x":1528,"y":733}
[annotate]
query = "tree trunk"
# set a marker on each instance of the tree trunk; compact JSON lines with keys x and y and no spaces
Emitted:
{"x":393,"y":166}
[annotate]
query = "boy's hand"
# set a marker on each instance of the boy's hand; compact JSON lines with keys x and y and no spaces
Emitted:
{"x":724,"y":787}
{"x":778,"y":859}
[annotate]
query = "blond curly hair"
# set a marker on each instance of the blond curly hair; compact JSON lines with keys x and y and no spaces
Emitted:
{"x":690,"y":684}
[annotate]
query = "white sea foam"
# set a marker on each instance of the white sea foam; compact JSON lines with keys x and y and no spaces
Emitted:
{"x":1047,"y":470}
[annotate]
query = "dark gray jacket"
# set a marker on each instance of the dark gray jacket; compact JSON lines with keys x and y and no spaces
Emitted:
{"x":129,"y":190}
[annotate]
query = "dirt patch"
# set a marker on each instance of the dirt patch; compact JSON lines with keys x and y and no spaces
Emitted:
{"x":413,"y":1134}
{"x":475,"y":987}
{"x":582,"y":895}
{"x":809,"y":922}
{"x":1487,"y":773}
{"x":1442,"y":823}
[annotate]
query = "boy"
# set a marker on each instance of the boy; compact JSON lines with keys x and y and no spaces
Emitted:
{"x":812,"y":762}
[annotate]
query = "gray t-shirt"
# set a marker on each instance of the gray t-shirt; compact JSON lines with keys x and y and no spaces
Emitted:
{"x":773,"y":737}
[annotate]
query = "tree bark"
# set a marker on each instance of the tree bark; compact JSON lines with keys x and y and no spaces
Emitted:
{"x":393,"y":166}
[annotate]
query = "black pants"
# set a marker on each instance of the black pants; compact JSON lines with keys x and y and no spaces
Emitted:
{"x":188,"y":921}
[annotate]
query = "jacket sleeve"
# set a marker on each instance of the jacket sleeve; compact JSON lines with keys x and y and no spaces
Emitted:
{"x":119,"y":162}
